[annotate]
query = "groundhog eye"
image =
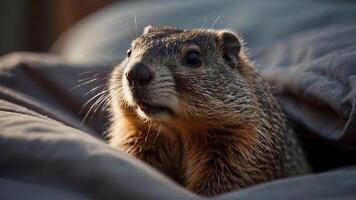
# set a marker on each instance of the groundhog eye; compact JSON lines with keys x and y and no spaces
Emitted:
{"x":129,"y":52}
{"x":192,"y":58}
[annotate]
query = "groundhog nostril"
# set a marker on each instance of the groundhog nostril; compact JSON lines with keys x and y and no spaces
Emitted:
{"x":138,"y":74}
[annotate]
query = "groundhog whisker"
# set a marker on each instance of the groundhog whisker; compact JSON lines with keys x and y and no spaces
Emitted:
{"x":92,"y":74}
{"x":88,"y":80}
{"x":90,"y":100}
{"x":204,"y":23}
{"x":148,"y":131}
{"x":107,"y":103}
{"x":95,"y":106}
{"x":95,"y":96}
{"x":92,"y":79}
{"x":91,"y":110}
{"x":104,"y":104}
{"x":85,"y":73}
{"x":215,"y":21}
{"x":135,"y":20}
{"x":157,"y":134}
{"x":95,"y":89}
{"x":106,"y":60}
{"x":82,"y":84}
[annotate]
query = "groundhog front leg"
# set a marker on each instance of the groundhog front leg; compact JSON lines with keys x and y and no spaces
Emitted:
{"x":210,"y":181}
{"x":209,"y":171}
{"x":154,"y":149}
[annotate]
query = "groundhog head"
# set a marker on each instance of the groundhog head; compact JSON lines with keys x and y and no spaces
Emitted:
{"x":184,"y":78}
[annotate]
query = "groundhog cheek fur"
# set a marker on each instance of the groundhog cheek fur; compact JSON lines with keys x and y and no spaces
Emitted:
{"x":225,"y":130}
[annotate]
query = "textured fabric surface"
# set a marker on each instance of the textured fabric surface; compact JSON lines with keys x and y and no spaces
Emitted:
{"x":316,"y":81}
{"x":42,"y":158}
{"x":305,"y":49}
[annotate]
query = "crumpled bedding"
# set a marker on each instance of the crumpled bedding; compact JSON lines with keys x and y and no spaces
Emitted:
{"x":316,"y":82}
{"x":47,"y":151}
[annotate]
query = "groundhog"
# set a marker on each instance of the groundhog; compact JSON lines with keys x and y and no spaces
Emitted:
{"x":191,"y":104}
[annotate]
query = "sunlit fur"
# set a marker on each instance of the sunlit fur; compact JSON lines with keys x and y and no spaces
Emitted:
{"x":226,"y":131}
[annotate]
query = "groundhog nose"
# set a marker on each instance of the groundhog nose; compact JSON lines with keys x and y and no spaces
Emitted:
{"x":138,"y":74}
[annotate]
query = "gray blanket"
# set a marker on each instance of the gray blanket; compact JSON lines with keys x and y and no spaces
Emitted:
{"x":306,"y":50}
{"x":316,"y":82}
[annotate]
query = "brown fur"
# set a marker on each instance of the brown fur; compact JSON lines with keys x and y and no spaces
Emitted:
{"x":226,"y":131}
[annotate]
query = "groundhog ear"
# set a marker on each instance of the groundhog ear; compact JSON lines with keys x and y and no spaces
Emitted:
{"x":149,"y":29}
{"x":231,"y":46}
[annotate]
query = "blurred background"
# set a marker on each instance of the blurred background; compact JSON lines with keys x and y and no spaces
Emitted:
{"x":33,"y":25}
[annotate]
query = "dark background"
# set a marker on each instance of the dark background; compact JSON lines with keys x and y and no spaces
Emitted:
{"x":33,"y":25}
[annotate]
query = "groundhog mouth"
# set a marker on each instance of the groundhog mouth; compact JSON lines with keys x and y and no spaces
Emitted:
{"x":150,"y":109}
